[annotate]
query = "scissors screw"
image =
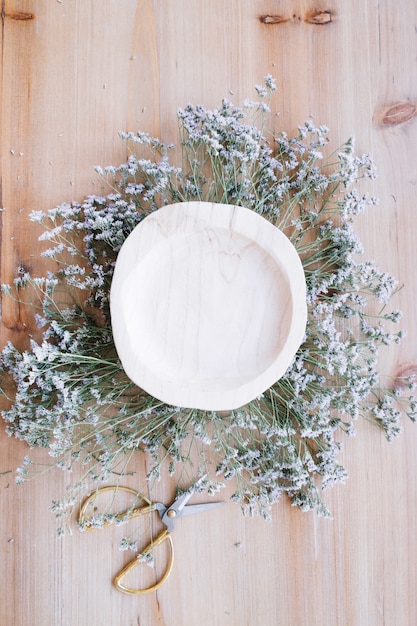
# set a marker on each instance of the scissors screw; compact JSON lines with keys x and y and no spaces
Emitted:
{"x":171,"y":513}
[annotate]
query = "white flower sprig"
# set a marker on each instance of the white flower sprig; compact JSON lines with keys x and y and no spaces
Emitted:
{"x":69,"y":394}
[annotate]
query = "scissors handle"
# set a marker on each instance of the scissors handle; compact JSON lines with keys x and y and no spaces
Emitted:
{"x":149,"y":507}
{"x":165,"y":535}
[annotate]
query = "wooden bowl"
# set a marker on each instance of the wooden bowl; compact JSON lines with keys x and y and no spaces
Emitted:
{"x":208,"y":305}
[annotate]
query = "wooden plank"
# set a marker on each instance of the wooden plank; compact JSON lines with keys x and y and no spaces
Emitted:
{"x":73,"y":74}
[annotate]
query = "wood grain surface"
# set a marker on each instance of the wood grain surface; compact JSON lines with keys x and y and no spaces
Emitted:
{"x":192,"y":323}
{"x":73,"y":73}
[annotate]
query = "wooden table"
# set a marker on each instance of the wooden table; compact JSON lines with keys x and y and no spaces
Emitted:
{"x":74,"y":72}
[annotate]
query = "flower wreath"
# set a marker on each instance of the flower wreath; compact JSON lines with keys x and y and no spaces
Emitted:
{"x":68,"y":392}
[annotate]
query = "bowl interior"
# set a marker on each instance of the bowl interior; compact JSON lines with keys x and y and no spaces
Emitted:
{"x":203,"y":306}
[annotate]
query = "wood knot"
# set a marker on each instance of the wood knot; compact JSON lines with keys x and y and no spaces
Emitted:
{"x":97,"y":316}
{"x":272,"y":19}
{"x":395,"y":114}
{"x":406,"y":373}
{"x":319,"y":18}
{"x":20,"y":16}
{"x":16,"y":325}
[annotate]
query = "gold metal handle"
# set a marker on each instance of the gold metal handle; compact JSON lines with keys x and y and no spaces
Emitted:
{"x":164,"y":536}
{"x":123,"y":516}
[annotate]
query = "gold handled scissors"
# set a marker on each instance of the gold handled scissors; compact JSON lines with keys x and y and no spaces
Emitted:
{"x":168,"y":514}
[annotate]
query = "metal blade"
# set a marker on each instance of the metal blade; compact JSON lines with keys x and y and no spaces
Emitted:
{"x":191,"y":509}
{"x":179,"y":506}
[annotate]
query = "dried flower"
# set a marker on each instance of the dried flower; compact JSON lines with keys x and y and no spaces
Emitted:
{"x":69,"y":393}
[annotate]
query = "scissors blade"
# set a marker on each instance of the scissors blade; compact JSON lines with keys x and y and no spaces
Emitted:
{"x":192,"y":509}
{"x":180,"y":502}
{"x":176,"y":509}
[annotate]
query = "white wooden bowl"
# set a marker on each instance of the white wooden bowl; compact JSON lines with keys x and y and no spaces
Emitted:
{"x":208,"y":305}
